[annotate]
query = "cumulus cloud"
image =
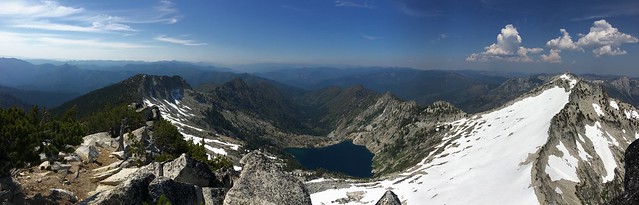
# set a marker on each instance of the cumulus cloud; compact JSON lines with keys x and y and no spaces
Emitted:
{"x":552,"y":57}
{"x":507,"y":48}
{"x":605,"y":39}
{"x":563,"y":42}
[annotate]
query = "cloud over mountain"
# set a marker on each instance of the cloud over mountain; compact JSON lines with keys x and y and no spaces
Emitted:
{"x":507,"y":48}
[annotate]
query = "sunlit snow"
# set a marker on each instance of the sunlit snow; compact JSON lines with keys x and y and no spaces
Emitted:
{"x":613,"y":104}
{"x":598,"y":109}
{"x":486,"y":167}
{"x":602,"y":149}
{"x":564,"y":167}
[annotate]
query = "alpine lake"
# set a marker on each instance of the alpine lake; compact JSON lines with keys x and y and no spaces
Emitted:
{"x":345,"y":157}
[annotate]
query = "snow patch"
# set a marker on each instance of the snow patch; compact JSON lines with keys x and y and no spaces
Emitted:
{"x":570,"y":80}
{"x":598,"y":109}
{"x":581,"y":151}
{"x":562,"y":167}
{"x":631,"y":114}
{"x":558,"y":190}
{"x":613,"y":104}
{"x":237,"y":168}
{"x":602,"y":148}
{"x":317,"y":180}
{"x":216,"y":150}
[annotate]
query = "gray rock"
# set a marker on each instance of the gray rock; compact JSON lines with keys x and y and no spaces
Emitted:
{"x":9,"y":190}
{"x":175,"y":192}
{"x":155,"y":168}
{"x":73,"y":158}
{"x":46,"y":165}
{"x":264,"y":182}
{"x":389,"y":198}
{"x":88,"y":154}
{"x":631,"y":180}
{"x":187,"y":170}
{"x":62,"y":195}
{"x":102,"y":139}
{"x":135,"y":190}
{"x":225,"y":177}
{"x":213,"y":196}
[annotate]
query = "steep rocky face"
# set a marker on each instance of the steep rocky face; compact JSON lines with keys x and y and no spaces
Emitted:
{"x":581,"y":161}
{"x":263,"y":181}
{"x":624,"y":88}
{"x":397,"y":132}
{"x":631,"y":179}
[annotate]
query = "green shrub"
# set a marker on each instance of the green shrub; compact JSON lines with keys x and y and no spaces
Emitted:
{"x":24,"y":135}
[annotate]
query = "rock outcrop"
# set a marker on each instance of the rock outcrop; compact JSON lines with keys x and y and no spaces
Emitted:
{"x":176,"y":192}
{"x":389,"y":198}
{"x":181,"y":181}
{"x":264,"y":182}
{"x":214,"y":196}
{"x":187,"y":170}
{"x":631,"y":180}
{"x":135,"y":190}
{"x":87,"y":153}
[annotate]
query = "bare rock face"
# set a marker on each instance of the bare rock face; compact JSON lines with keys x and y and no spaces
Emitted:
{"x":389,"y":198}
{"x":133,"y":191}
{"x":631,"y":180}
{"x":175,"y":192}
{"x":264,"y":182}
{"x":187,"y":170}
{"x":214,"y":196}
{"x":101,"y":139}
{"x":88,"y":153}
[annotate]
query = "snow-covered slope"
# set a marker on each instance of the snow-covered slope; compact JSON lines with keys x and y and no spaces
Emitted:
{"x":183,"y":117}
{"x":512,"y":155}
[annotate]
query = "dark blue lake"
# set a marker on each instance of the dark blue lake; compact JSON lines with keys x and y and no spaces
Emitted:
{"x":345,"y":157}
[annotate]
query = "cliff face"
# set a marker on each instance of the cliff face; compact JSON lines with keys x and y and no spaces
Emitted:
{"x":397,"y":132}
{"x":583,"y":157}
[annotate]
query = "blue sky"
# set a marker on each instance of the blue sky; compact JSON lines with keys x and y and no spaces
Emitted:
{"x":509,"y":35}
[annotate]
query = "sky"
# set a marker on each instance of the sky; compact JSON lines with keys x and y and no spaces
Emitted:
{"x":586,"y":36}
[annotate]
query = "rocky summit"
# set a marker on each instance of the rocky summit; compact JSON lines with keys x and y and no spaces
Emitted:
{"x":264,"y":182}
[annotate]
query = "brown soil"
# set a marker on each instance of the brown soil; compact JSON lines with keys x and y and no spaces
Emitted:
{"x":34,"y":180}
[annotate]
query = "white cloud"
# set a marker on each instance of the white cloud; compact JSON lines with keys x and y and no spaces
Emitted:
{"x":507,"y":48}
{"x":95,"y":43}
{"x":100,"y":26}
{"x":608,"y":50}
{"x":353,"y":4}
{"x":552,"y":57}
{"x":180,"y":41}
{"x":563,"y":42}
{"x":42,"y":9}
{"x":605,"y":39}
